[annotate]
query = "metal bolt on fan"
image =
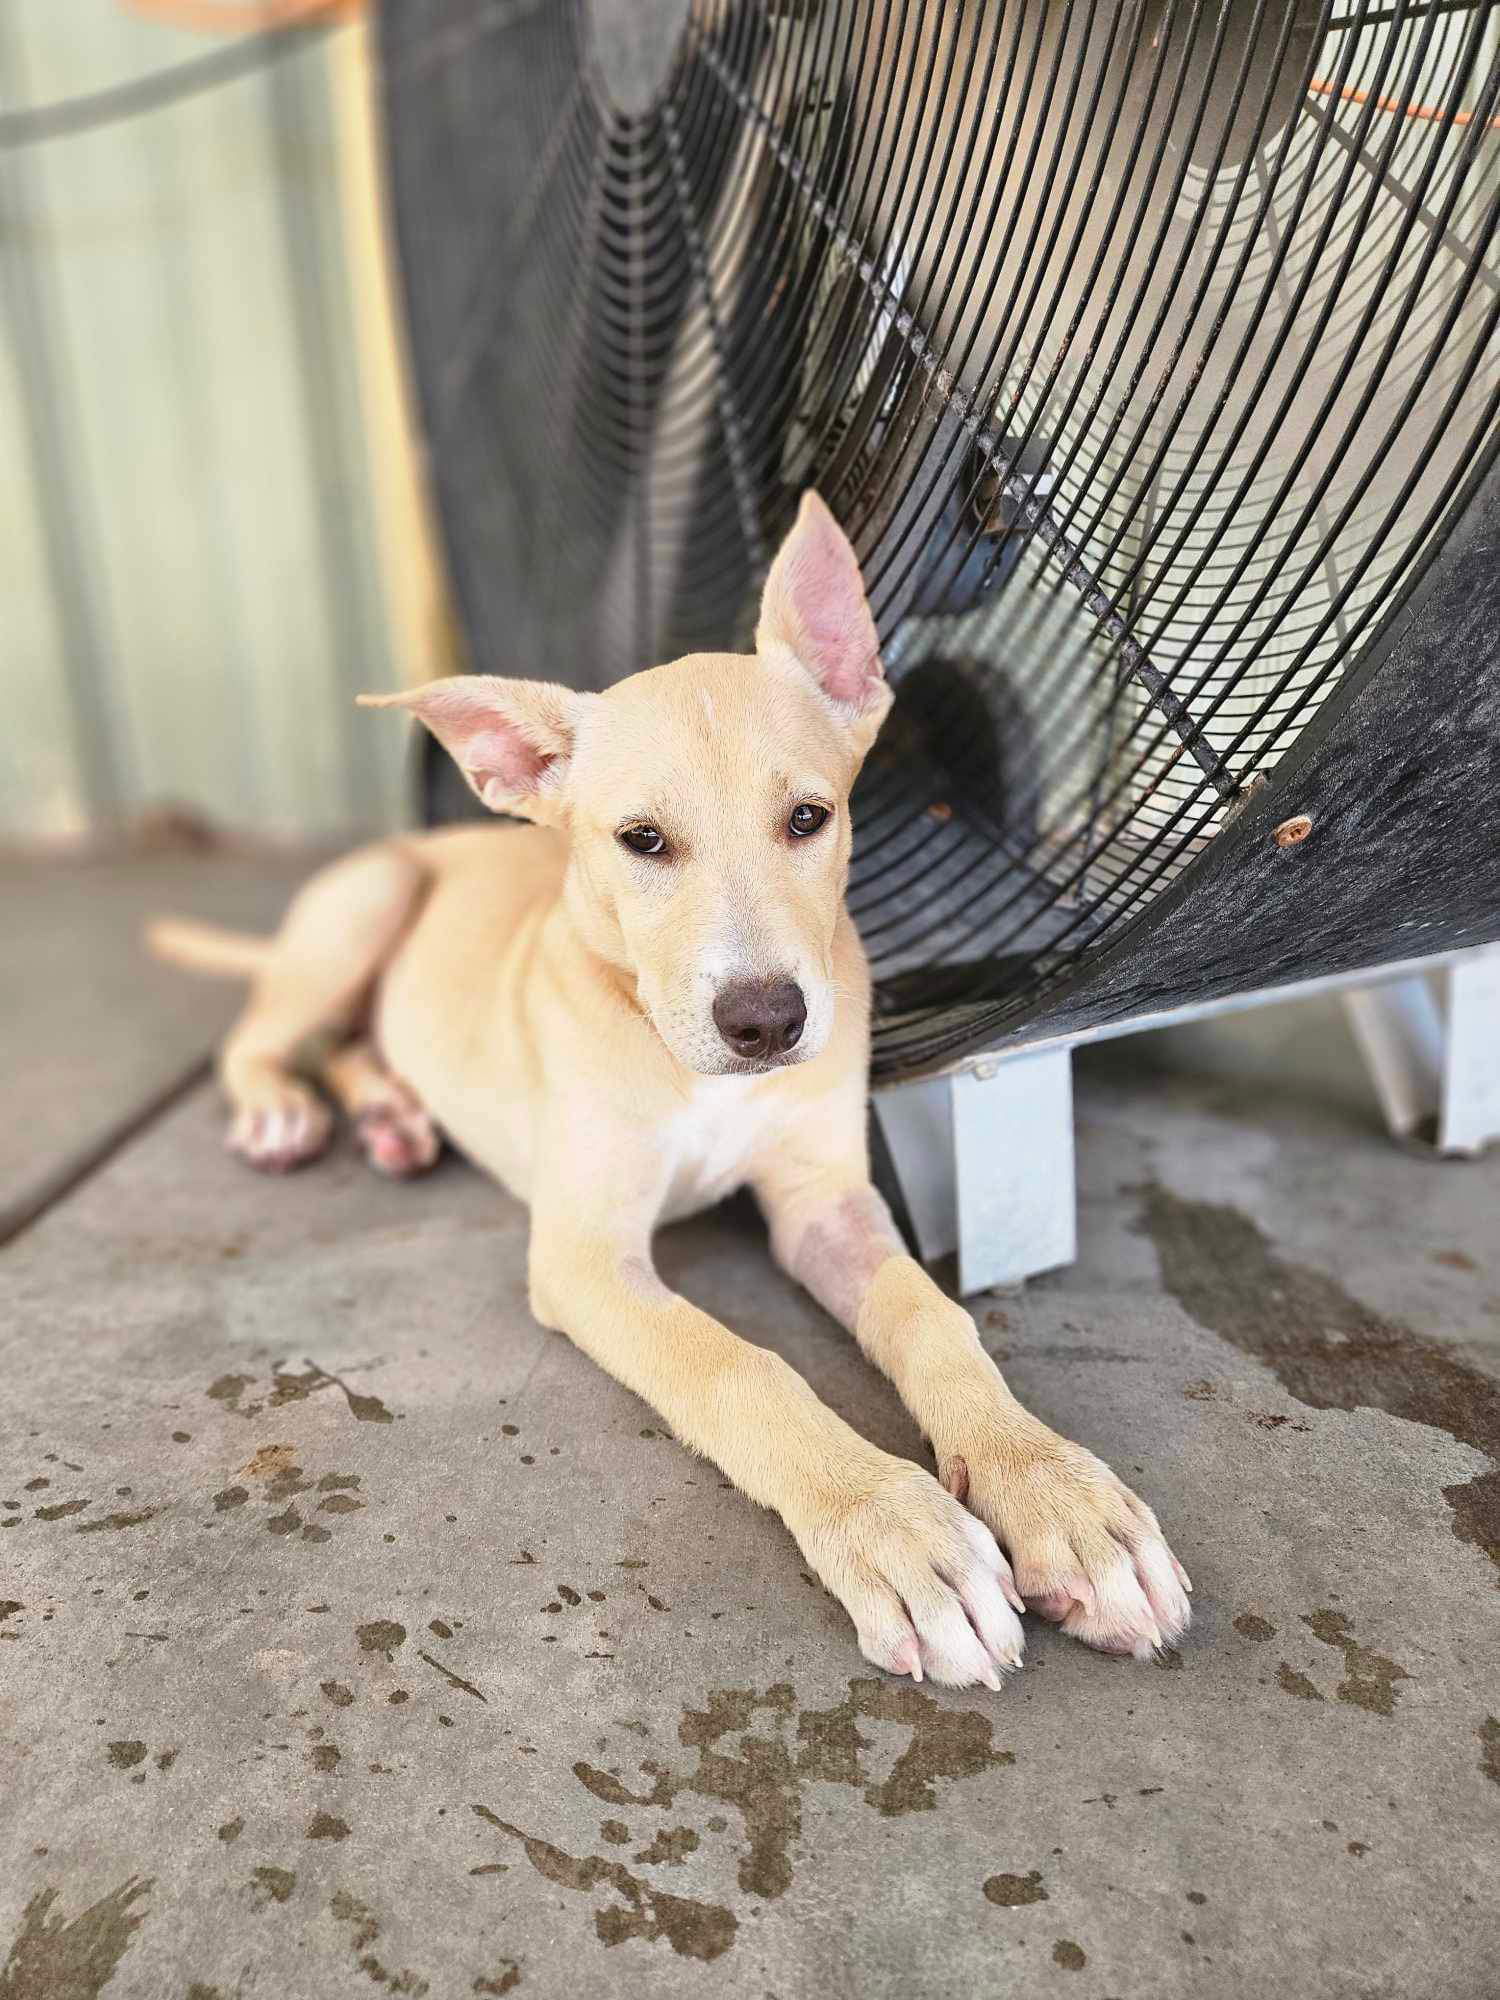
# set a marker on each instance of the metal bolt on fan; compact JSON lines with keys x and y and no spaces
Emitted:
{"x":1147,"y":351}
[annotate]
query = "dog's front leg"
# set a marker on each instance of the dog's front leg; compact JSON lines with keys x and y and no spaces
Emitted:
{"x":923,"y":1580}
{"x":1085,"y":1550}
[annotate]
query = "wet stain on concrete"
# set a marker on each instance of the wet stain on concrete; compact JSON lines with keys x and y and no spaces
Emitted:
{"x":60,"y":1509}
{"x":337,"y":1693}
{"x":1250,"y":1625}
{"x":231,"y":1830}
{"x":1288,"y":1679}
{"x":133,"y":1519}
{"x":1070,"y":1956}
{"x":327,"y":1826}
{"x":324,"y":1756}
{"x":765,"y":1777}
{"x":1012,"y":1891}
{"x":670,"y":1849}
{"x":945,"y":1743}
{"x":289,"y":1387}
{"x":124,"y":1756}
{"x":232,"y":1496}
{"x":693,"y":1929}
{"x":53,"y":1960}
{"x":1488,"y":1733}
{"x":453,"y":1679}
{"x":1326,"y":1348}
{"x":270,"y":1885}
{"x":1371,"y":1677}
{"x":381,"y":1635}
{"x":503,"y":1979}
{"x":365,"y":1927}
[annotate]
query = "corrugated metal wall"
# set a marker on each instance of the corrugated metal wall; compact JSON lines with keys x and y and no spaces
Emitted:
{"x":208,"y":539}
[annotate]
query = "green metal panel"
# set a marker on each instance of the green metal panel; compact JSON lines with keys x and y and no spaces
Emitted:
{"x":191,"y":591}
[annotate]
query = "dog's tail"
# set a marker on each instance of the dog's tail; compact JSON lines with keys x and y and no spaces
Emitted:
{"x":205,"y":948}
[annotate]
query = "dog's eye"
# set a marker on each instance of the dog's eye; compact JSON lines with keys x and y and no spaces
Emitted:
{"x":807,"y":819}
{"x":643,"y":840}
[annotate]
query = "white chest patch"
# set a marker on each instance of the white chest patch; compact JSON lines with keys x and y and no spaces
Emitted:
{"x":711,"y":1139}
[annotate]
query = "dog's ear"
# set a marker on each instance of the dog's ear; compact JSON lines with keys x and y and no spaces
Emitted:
{"x":815,"y":612}
{"x":511,"y":739}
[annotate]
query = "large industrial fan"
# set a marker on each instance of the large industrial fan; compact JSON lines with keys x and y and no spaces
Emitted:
{"x":1148,"y":351}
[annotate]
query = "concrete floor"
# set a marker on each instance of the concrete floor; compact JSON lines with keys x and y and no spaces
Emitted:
{"x":360,"y":1638}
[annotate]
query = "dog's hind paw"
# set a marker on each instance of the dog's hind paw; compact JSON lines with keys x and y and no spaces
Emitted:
{"x":276,"y":1137}
{"x":398,"y":1139}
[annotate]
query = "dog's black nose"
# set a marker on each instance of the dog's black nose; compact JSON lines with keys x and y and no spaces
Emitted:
{"x":760,"y":1017}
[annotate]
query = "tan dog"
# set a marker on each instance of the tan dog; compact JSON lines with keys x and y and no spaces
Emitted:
{"x":651,"y":997}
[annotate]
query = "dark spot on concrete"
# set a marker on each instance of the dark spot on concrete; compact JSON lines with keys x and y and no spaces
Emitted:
{"x":332,"y":1482}
{"x":656,"y":1603}
{"x":612,"y":1792}
{"x":1488,"y":1733}
{"x":165,"y":1759}
{"x":270,"y":1885}
{"x":492,"y":1868}
{"x":182,"y":1437}
{"x":36,"y":1485}
{"x":324,"y":1757}
{"x":1327,"y":1349}
{"x":1292,"y":1682}
{"x":693,"y":1929}
{"x":381,"y":1635}
{"x":315,"y":1534}
{"x":327,"y":1826}
{"x":507,"y":1975}
{"x":509,"y":1430}
{"x":337,"y":1693}
{"x":228,"y":1390}
{"x":1011,"y":1891}
{"x":60,"y":1509}
{"x":1200,"y":1392}
{"x":1250,"y":1625}
{"x":442,"y":1631}
{"x":53,"y":1960}
{"x":1357,"y":1848}
{"x":1455,"y":1260}
{"x":1196,"y":1896}
{"x":596,"y":1597}
{"x":341,"y":1503}
{"x":615,"y":1831}
{"x":231,"y":1830}
{"x":567,"y":1593}
{"x":9,"y":1606}
{"x":397,"y":1696}
{"x":284,"y":1524}
{"x":1371,"y":1682}
{"x":365,"y":1932}
{"x":1071,"y":1957}
{"x":124,"y":1756}
{"x":945,"y":1743}
{"x":765,"y":1780}
{"x":670,"y":1848}
{"x":134,"y":1520}
{"x":453,"y":1679}
{"x":232,"y":1496}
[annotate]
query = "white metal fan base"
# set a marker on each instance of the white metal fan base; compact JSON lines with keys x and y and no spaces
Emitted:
{"x":984,"y":1152}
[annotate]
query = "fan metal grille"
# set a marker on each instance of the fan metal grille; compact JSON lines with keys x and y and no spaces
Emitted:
{"x":1141,"y":348}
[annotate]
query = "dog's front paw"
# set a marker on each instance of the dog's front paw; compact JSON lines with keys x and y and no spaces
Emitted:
{"x":928,"y":1589}
{"x":1086,"y":1552}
